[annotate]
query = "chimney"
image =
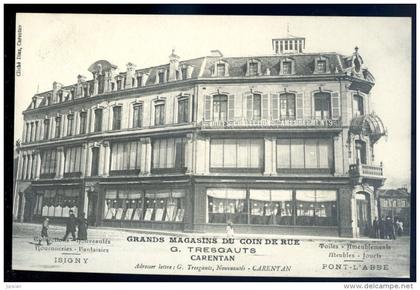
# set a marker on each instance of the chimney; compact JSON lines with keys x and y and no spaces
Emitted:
{"x":56,"y":87}
{"x":173,"y":65}
{"x":216,"y":53}
{"x":130,"y":76}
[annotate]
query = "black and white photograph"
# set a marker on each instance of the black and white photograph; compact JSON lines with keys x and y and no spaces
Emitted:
{"x":213,"y":145}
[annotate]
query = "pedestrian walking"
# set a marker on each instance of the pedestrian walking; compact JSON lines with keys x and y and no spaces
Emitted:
{"x":82,"y":227}
{"x":381,"y":224}
{"x":389,"y":228}
{"x":229,"y":229}
{"x":71,"y":226}
{"x":44,"y":232}
{"x":375,"y":229}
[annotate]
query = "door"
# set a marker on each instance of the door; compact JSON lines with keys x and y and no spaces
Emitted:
{"x":363,"y":216}
{"x":92,"y":208}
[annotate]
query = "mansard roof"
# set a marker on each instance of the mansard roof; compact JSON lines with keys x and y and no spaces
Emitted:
{"x":203,"y":68}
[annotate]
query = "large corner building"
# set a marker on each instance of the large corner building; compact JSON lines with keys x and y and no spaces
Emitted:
{"x":276,"y":144}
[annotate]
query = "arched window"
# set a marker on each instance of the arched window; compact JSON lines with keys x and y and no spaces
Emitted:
{"x":322,"y":102}
{"x":358,"y":106}
{"x":287,"y":106}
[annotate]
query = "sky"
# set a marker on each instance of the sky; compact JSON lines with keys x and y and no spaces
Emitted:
{"x":58,"y":47}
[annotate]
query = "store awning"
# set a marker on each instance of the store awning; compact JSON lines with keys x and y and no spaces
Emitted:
{"x":370,"y":125}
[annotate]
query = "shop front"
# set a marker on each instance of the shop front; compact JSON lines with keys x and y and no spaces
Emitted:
{"x":53,"y":201}
{"x":269,"y":208}
{"x":144,"y":207}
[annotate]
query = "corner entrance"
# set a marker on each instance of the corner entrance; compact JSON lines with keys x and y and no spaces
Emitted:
{"x":363,"y":214}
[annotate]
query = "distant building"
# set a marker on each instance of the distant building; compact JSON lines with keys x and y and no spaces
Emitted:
{"x":396,"y":203}
{"x":276,"y":144}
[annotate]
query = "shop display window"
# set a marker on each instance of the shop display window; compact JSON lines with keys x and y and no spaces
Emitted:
{"x":316,"y":207}
{"x":154,"y":205}
{"x":227,"y":204}
{"x":57,"y":202}
{"x":270,"y":207}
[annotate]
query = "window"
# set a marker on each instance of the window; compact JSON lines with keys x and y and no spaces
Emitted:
{"x":322,"y":105}
{"x":220,"y":106}
{"x":271,"y":207}
{"x":83,"y":122}
{"x":36,"y":130}
{"x":70,"y":123}
{"x":95,"y":162}
{"x":27,"y":132}
{"x":227,"y":204}
{"x":137,"y":115}
{"x":184,"y":73}
{"x":304,"y":155}
{"x":254,"y":107}
{"x":98,"y":120}
{"x":316,"y":207}
{"x":161,"y":76}
{"x":139,"y":80}
{"x":31,"y":133}
{"x":101,"y":84}
{"x":122,"y":204}
{"x":57,"y":202}
{"x":321,"y":66}
{"x":169,"y":154}
{"x":358,"y":105}
{"x":287,"y":68}
{"x":160,"y":114}
{"x":119,"y":84}
{"x":85,"y":91}
{"x":360,"y":152}
{"x":116,"y":118}
{"x":57,"y":127}
{"x":125,"y":158}
{"x":48,"y":163}
{"x":287,"y":106}
{"x":220,"y":70}
{"x":183,"y":110}
{"x":46,"y":128}
{"x":252,"y":69}
{"x":236,"y":154}
{"x":73,"y":162}
{"x":165,"y":205}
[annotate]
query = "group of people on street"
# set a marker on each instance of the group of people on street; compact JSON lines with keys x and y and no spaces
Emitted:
{"x":72,"y":224}
{"x":387,"y":228}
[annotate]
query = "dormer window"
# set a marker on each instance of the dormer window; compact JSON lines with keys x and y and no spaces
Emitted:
{"x":321,"y":65}
{"x":139,"y":79}
{"x":287,"y":68}
{"x":161,"y":76}
{"x":221,"y":70}
{"x":253,"y":68}
{"x":184,"y":73}
{"x":119,"y":83}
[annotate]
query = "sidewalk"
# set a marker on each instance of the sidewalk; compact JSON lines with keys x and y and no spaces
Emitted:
{"x":110,"y":231}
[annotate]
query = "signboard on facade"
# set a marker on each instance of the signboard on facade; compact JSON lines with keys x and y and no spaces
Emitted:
{"x":271,"y":124}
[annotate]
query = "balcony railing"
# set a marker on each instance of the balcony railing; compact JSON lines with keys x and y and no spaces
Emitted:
{"x":370,"y":171}
{"x":271,"y":124}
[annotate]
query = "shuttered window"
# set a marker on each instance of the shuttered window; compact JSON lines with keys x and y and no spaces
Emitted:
{"x":322,"y":103}
{"x":137,"y":115}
